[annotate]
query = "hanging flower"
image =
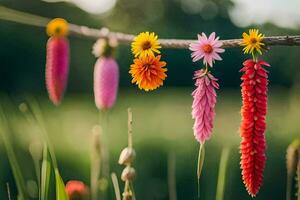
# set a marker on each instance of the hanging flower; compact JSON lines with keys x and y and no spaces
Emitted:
{"x":203,"y":108}
{"x":76,"y":190}
{"x":106,"y":74}
{"x":206,"y":48}
{"x":106,"y":82}
{"x":57,"y":61}
{"x":253,"y":145}
{"x":253,"y":41}
{"x":148,"y":72}
{"x":145,"y":44}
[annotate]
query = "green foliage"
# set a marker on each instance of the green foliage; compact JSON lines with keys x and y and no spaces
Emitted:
{"x":20,"y":182}
{"x":45,"y":175}
{"x":60,"y":187}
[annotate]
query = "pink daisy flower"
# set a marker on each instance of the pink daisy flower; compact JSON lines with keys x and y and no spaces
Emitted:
{"x":207,"y":48}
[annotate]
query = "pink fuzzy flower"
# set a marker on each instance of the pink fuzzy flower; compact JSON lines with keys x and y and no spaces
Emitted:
{"x":203,"y":108}
{"x":106,"y":81}
{"x":206,"y":48}
{"x":57,"y":67}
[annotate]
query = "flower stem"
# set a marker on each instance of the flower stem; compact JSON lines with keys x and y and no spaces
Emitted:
{"x":201,"y":156}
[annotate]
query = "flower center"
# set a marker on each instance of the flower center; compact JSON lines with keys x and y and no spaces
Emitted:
{"x":253,"y":40}
{"x":147,"y":66}
{"x":146,"y":45}
{"x":207,"y":48}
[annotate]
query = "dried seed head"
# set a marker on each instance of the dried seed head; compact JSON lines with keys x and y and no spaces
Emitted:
{"x":127,"y":195}
{"x":128,"y":174}
{"x":127,"y":156}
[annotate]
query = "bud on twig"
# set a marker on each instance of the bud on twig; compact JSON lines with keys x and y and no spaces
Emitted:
{"x":128,"y":174}
{"x":127,"y":156}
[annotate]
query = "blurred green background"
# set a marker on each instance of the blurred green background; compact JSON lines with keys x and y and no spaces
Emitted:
{"x":162,"y":120}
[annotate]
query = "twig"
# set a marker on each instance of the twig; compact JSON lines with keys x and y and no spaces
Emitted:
{"x":91,"y":33}
{"x":129,"y":128}
{"x":116,"y":186}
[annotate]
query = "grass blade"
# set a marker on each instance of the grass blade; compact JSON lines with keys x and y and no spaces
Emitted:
{"x":16,"y":170}
{"x":222,"y":174}
{"x":8,"y":191}
{"x":60,"y":187}
{"x":45,"y":175}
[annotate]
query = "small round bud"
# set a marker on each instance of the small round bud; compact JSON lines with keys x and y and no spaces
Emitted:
{"x":77,"y":190}
{"x":127,"y":156}
{"x":99,"y":47}
{"x":57,"y":27}
{"x":128,"y":174}
{"x":127,"y":195}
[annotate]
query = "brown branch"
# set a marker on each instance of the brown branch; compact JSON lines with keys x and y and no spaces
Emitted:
{"x":91,"y":33}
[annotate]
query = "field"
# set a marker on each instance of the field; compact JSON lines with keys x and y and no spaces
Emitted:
{"x":161,"y":127}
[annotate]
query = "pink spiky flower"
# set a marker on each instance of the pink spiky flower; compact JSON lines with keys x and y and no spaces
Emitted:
{"x":203,"y":108}
{"x":106,"y":81}
{"x":57,"y":68}
{"x":207,"y":48}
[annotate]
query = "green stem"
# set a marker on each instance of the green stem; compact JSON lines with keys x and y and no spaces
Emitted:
{"x":222,"y":174}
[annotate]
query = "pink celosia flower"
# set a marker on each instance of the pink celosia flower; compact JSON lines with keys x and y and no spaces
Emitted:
{"x":106,"y":81}
{"x":76,"y":190}
{"x":203,"y":108}
{"x":57,"y":67}
{"x":207,"y":48}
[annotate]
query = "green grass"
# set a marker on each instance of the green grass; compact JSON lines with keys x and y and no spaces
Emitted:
{"x":161,"y":123}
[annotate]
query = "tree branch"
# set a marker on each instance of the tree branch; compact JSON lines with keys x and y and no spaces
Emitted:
{"x":91,"y":33}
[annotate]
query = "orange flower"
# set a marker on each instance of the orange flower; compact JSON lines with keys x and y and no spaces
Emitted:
{"x":148,"y":72}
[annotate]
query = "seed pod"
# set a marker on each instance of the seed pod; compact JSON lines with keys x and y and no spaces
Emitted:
{"x":57,"y":68}
{"x":106,"y":81}
{"x":127,"y":156}
{"x":128,"y":174}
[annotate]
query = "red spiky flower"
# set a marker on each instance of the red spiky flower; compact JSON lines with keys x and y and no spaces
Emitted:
{"x":253,"y":145}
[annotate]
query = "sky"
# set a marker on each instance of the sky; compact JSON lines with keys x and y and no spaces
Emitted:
{"x":283,"y":13}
